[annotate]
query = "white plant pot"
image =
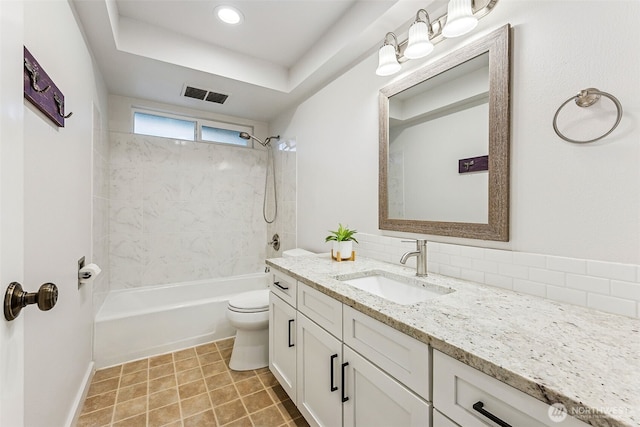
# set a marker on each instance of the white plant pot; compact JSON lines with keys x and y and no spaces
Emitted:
{"x":344,"y":248}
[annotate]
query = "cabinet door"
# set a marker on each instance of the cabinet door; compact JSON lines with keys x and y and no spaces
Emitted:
{"x":376,"y":399}
{"x":282,"y":344}
{"x":319,"y":374}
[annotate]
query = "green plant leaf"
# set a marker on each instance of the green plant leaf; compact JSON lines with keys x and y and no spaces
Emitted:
{"x":342,"y":234}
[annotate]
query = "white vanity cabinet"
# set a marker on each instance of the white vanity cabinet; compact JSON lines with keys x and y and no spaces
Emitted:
{"x":335,"y":385}
{"x":282,"y":331}
{"x":473,"y":399}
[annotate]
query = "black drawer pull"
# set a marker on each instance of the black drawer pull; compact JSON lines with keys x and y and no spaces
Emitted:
{"x":280,"y":286}
{"x":479,"y":406}
{"x":290,"y":322}
{"x":344,"y":398}
{"x":333,"y":356}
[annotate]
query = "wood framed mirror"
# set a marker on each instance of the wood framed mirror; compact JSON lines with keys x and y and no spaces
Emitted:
{"x":444,"y":134}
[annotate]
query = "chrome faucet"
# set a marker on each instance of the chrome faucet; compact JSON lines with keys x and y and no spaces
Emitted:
{"x":421,"y":256}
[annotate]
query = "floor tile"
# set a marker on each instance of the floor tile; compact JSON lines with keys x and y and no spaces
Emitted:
{"x":132,"y":392}
{"x":203,"y":419}
{"x":222,"y":395}
{"x":257,"y":401}
{"x":165,"y":415}
{"x":163,"y":398}
{"x":99,"y":401}
{"x":249,"y":386}
{"x":130,"y":408}
{"x":138,"y":365}
{"x":96,"y":419}
{"x":193,"y":387}
{"x":231,"y":411}
{"x":194,"y":405}
{"x":162,"y":383}
{"x":270,"y":416}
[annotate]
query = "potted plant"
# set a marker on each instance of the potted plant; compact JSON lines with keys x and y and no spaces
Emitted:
{"x":342,"y":239}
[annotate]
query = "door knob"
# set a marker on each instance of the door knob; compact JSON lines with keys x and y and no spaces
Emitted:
{"x":15,"y":299}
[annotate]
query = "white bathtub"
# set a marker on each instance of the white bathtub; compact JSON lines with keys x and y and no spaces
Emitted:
{"x":142,"y":322}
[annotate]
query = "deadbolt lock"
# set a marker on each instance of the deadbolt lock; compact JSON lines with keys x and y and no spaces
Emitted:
{"x":15,"y":299}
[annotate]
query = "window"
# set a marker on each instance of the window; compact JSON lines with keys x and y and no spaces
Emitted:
{"x":224,"y":135}
{"x":154,"y":125}
{"x":189,"y":129}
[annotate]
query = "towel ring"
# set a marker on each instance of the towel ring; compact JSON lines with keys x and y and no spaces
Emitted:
{"x":586,"y":98}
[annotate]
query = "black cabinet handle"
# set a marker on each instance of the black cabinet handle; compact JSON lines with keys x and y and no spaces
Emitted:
{"x":479,"y":406}
{"x":284,"y":288}
{"x":344,"y":398}
{"x":333,"y":356}
{"x":290,"y":322}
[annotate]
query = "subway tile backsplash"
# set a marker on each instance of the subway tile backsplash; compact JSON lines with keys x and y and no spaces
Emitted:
{"x":604,"y":286}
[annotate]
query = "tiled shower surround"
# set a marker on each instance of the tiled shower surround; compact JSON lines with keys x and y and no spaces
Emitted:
{"x":100,"y":210}
{"x":181,"y":210}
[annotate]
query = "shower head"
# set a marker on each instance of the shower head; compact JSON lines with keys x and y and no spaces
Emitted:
{"x":247,"y":136}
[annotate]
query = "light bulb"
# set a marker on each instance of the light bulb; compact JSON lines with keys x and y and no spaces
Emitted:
{"x":419,"y":44}
{"x":229,"y":15}
{"x":460,"y":19}
{"x":387,"y":61}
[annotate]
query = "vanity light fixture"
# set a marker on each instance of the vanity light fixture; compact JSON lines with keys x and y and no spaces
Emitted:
{"x":388,"y":57}
{"x":419,"y":45}
{"x":462,"y":17}
{"x":229,"y":15}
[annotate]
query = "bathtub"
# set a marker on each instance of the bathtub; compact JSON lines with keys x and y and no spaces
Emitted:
{"x":142,"y":322}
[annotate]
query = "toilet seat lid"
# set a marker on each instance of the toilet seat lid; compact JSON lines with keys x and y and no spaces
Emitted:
{"x":251,"y":301}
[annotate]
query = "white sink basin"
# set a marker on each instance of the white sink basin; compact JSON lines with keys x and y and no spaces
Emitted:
{"x":398,"y":289}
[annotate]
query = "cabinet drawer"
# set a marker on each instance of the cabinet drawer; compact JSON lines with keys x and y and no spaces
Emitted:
{"x":458,"y":387}
{"x":404,"y":358}
{"x":321,"y":308}
{"x":284,"y":286}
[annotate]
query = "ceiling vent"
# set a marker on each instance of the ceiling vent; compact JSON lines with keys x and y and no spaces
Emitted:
{"x":204,"y":94}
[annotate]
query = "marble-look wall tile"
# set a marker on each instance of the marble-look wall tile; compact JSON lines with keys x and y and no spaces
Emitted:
{"x":184,"y":211}
{"x":100,"y":211}
{"x":286,"y":173}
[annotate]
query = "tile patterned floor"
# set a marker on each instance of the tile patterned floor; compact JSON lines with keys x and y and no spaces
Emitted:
{"x":187,"y":388}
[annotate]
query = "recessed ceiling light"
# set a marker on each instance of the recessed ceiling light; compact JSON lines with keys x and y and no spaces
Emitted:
{"x":229,"y":15}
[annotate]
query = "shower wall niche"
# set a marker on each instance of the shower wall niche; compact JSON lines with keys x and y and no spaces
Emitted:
{"x":183,"y":210}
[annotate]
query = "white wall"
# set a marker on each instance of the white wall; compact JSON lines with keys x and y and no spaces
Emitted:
{"x":580,"y":201}
{"x":58,"y":190}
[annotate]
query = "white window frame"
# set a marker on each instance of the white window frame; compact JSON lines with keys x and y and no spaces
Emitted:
{"x":197,"y":137}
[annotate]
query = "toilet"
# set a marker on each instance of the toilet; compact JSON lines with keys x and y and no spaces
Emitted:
{"x":248,"y":312}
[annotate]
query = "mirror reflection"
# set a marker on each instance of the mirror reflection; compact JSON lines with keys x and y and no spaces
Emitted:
{"x":427,"y":141}
{"x":444,"y":145}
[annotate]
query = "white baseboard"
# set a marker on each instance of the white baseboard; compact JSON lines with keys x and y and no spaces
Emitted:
{"x":76,"y":408}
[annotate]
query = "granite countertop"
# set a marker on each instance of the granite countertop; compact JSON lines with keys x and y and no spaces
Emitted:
{"x":557,"y":353}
